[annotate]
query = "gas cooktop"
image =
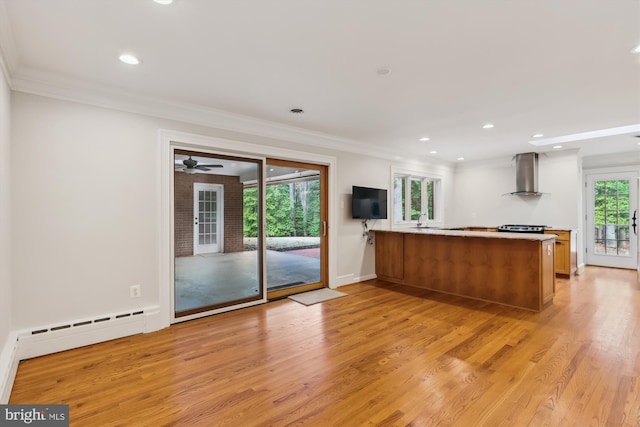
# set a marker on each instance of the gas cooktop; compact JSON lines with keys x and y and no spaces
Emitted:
{"x":522,"y":228}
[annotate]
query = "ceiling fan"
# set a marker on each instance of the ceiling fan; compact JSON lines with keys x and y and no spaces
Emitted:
{"x":191,"y":166}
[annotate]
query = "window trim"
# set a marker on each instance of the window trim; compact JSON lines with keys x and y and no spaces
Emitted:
{"x":438,"y":196}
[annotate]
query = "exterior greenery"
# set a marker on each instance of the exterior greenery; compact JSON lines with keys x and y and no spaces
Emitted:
{"x":611,"y":202}
{"x":611,"y":216}
{"x":293,"y":209}
{"x":416,"y":197}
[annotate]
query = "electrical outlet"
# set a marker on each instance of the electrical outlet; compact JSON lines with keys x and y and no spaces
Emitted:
{"x":135,"y":291}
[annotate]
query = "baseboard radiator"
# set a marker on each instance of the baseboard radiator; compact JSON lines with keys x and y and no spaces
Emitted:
{"x":67,"y":335}
{"x":62,"y":336}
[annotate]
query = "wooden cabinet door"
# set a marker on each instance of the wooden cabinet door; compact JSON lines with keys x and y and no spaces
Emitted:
{"x":390,"y":255}
{"x":548,"y":277}
{"x":565,"y":246}
{"x":562,"y":257}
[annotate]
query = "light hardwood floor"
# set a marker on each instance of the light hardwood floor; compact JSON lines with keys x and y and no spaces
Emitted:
{"x":383,"y":355}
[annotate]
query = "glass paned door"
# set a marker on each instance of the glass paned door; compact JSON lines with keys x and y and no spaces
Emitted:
{"x":612,"y":202}
{"x":208,"y":222}
{"x":296,"y":227}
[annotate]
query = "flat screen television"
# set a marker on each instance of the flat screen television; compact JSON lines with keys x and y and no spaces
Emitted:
{"x":368,"y":203}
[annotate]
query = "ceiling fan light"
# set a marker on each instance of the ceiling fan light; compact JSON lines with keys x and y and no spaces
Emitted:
{"x":190,"y":171}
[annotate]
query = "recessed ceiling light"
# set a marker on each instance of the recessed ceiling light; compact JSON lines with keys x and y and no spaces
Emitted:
{"x":537,"y":135}
{"x":487,"y":126}
{"x":164,"y":2}
{"x":435,"y":152}
{"x":424,"y":139}
{"x":127,"y":58}
{"x":636,"y":49}
{"x":297,"y":110}
{"x":460,"y":158}
{"x":557,"y":146}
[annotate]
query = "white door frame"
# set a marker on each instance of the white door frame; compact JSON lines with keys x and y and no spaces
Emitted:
{"x":219,"y":245}
{"x":617,"y":261}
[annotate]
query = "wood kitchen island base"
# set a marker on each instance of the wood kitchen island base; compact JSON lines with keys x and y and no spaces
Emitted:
{"x":512,"y":269}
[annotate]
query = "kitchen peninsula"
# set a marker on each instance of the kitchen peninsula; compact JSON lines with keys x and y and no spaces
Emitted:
{"x":505,"y":268}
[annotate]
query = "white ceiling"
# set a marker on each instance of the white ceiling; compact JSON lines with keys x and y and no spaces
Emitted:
{"x":555,"y":67}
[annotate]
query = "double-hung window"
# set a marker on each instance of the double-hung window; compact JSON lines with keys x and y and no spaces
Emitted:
{"x":416,"y":198}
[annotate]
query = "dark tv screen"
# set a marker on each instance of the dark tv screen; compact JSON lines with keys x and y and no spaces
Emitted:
{"x":369,"y":203}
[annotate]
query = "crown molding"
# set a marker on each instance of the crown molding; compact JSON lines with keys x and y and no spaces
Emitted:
{"x":36,"y":82}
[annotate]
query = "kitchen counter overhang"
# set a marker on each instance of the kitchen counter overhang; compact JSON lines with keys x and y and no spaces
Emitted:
{"x":514,"y":269}
{"x":462,"y":233}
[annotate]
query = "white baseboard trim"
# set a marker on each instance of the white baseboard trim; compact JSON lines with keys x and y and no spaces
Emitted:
{"x":344,"y":280}
{"x":349,"y":279}
{"x":8,"y":366}
{"x":580,"y":269}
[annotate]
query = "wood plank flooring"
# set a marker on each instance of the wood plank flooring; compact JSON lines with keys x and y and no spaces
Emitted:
{"x":385,"y":355}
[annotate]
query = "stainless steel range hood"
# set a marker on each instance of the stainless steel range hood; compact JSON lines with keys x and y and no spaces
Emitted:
{"x":526,"y":175}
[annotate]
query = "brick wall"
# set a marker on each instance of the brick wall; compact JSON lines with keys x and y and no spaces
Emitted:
{"x":184,"y":216}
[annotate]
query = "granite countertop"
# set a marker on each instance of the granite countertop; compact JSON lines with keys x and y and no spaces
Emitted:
{"x":546,"y":227}
{"x":485,"y":234}
{"x":559,"y":229}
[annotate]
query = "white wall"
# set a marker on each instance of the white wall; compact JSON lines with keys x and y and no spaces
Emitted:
{"x":479,"y":190}
{"x":5,"y":213}
{"x":367,"y":172}
{"x":87,"y":208}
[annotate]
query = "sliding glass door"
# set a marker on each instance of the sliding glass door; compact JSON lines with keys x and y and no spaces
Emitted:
{"x":215,"y":266}
{"x":296,"y":227}
{"x":245,"y":230}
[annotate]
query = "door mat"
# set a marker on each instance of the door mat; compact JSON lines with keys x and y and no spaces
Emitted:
{"x":314,"y":297}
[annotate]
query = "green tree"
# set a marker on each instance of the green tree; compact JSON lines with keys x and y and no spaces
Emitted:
{"x":611,"y":202}
{"x":312,"y":208}
{"x":278,"y":211}
{"x":250,"y":212}
{"x":292,"y":209}
{"x":416,"y":198}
